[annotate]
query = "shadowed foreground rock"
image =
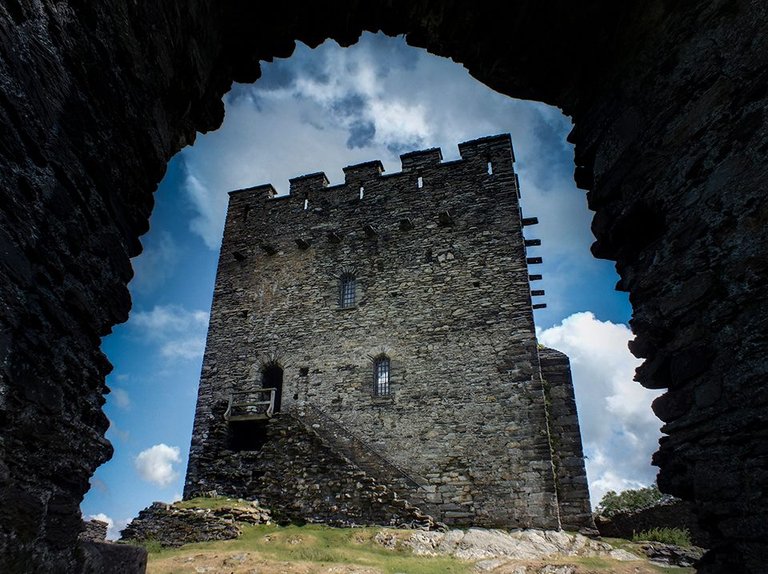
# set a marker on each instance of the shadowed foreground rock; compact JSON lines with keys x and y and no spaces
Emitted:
{"x":669,"y":105}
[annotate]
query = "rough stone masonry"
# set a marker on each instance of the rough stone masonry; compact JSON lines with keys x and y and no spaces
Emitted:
{"x":392,"y":314}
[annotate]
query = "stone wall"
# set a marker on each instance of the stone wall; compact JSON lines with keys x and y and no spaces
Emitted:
{"x":439,"y":262}
{"x":565,"y":437}
{"x":668,"y":101}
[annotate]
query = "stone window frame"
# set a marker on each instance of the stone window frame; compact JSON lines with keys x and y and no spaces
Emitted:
{"x":382,"y":376}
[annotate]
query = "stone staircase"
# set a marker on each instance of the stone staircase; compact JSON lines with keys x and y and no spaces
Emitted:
{"x":408,"y":486}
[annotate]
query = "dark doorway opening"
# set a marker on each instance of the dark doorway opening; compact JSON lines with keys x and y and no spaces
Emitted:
{"x":272,"y":378}
{"x":247,"y":435}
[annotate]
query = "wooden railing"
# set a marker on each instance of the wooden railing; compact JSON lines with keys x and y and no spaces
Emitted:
{"x":251,"y":405}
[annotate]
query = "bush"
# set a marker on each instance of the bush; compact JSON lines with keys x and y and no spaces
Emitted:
{"x":631,"y":500}
{"x":676,"y":536}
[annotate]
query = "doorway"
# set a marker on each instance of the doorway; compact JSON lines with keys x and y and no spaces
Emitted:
{"x":272,"y":378}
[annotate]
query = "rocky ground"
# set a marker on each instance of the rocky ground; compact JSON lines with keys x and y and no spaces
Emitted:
{"x":232,"y":536}
{"x":315,"y":549}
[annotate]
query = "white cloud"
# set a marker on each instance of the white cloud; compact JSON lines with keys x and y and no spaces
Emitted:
{"x":155,"y":264}
{"x":329,"y":107}
{"x":189,"y":348}
{"x":619,"y":430}
{"x":167,"y":319}
{"x":155,"y":464}
{"x":121,"y":398}
{"x":177,"y":333}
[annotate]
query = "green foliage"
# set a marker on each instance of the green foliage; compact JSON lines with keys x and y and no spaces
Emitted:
{"x":676,"y":536}
{"x":630,"y":500}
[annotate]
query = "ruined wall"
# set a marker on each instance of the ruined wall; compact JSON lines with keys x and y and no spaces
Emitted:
{"x":669,"y":104}
{"x":442,"y":289}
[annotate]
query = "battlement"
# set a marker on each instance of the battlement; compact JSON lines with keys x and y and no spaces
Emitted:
{"x":415,"y":160}
{"x":363,"y":171}
{"x":493,"y":155}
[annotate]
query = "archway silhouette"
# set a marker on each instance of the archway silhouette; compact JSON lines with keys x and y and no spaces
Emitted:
{"x":668,"y":112}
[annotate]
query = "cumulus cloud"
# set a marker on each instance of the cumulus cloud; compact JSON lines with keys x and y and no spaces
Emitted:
{"x":329,"y":107}
{"x":155,"y":464}
{"x":178,"y":333}
{"x":619,"y":430}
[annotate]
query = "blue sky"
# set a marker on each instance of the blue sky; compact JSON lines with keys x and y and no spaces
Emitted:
{"x":321,"y":110}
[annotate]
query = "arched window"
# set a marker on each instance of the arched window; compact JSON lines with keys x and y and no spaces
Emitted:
{"x":347,"y":290}
{"x":381,"y":376}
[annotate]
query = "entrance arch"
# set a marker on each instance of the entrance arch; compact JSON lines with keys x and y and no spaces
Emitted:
{"x":670,"y":141}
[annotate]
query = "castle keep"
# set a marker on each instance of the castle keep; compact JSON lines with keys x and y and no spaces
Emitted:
{"x":371,"y":354}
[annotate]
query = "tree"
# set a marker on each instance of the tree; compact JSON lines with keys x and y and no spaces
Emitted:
{"x":631,"y":500}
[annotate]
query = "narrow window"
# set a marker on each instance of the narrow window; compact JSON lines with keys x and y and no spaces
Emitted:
{"x":381,"y":376}
{"x":420,"y":182}
{"x":347,"y":287}
{"x":306,"y":204}
{"x":490,"y":168}
{"x":362,"y":192}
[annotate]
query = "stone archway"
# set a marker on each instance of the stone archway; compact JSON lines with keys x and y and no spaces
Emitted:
{"x":669,"y":104}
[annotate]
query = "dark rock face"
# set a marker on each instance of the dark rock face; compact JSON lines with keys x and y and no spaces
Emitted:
{"x":669,"y":103}
{"x":671,"y":554}
{"x":107,"y":558}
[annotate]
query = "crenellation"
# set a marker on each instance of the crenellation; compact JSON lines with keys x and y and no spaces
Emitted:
{"x":305,"y":185}
{"x":361,"y":173}
{"x":258,"y":192}
{"x":418,"y":160}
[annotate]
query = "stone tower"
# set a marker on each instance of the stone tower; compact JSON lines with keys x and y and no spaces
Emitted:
{"x":373,"y":342}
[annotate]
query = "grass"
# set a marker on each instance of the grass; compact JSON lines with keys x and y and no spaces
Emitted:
{"x":213,"y":503}
{"x":314,"y":544}
{"x":315,"y":549}
{"x":676,"y":536}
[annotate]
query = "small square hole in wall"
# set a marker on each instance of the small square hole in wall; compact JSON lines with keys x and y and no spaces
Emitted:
{"x":303,"y":371}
